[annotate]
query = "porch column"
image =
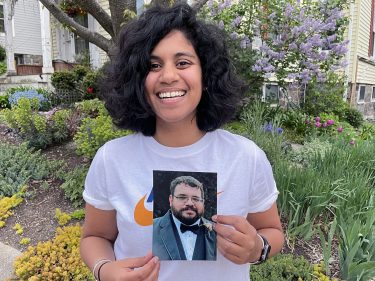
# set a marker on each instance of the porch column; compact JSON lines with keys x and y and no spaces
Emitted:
{"x":8,"y":26}
{"x":45,"y":26}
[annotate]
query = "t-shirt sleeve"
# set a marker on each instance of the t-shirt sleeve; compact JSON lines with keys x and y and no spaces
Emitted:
{"x":263,"y":192}
{"x":96,"y":189}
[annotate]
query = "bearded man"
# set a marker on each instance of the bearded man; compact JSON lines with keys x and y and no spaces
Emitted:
{"x":183,"y":233}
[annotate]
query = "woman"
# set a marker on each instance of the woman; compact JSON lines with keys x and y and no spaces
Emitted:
{"x":171,"y":82}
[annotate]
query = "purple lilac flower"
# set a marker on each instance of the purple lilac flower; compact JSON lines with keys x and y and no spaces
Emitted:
{"x":237,"y":21}
{"x":340,"y":129}
{"x":269,"y":68}
{"x":234,"y":35}
{"x":272,"y":16}
{"x":330,"y":122}
{"x":293,"y":46}
{"x":321,"y":77}
{"x":318,"y":124}
{"x":325,"y":125}
{"x":331,"y":38}
{"x":317,"y":119}
{"x":256,"y":68}
{"x":245,"y":43}
{"x":279,"y":130}
{"x":352,"y":142}
{"x":221,"y":24}
{"x":288,"y":10}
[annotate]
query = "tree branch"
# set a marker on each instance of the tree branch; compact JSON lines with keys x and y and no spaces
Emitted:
{"x":198,"y":4}
{"x":94,"y":9}
{"x":93,"y":37}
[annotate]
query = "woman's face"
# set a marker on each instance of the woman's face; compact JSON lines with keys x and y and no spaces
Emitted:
{"x":174,"y":83}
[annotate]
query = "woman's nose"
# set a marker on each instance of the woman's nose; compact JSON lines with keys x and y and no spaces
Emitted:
{"x":168,"y":74}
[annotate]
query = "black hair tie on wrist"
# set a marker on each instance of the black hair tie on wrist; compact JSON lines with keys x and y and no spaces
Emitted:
{"x":100,"y":267}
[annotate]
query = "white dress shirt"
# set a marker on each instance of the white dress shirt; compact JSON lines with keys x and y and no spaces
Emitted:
{"x":188,"y":239}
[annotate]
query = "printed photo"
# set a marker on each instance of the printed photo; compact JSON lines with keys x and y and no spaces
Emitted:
{"x":184,"y":203}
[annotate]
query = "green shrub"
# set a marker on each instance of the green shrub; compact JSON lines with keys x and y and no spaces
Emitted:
{"x":91,"y":108}
{"x":282,"y":268}
{"x":18,"y":165}
{"x":90,"y":84}
{"x":3,"y":53}
{"x":93,"y":133}
{"x":25,"y":119}
{"x":262,"y":126}
{"x":326,"y":97}
{"x":39,"y":130}
{"x":74,"y":184}
{"x":59,"y":125}
{"x":367,"y":131}
{"x":64,"y":80}
{"x":56,"y":259}
{"x":4,"y":101}
{"x":309,"y":150}
{"x":3,"y":67}
{"x":80,"y":71}
{"x":354,"y":117}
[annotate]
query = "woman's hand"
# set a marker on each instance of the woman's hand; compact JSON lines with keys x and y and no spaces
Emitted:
{"x":237,"y":239}
{"x":144,"y":268}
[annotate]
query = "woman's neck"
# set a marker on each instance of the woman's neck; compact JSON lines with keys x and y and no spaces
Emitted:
{"x":177,"y":135}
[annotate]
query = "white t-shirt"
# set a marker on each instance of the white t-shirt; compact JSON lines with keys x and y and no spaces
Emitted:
{"x":121,"y":178}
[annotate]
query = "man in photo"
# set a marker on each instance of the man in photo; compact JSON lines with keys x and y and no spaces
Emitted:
{"x":183,"y":233}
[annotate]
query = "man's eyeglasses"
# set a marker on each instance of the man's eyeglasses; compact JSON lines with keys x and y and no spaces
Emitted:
{"x":184,"y":199}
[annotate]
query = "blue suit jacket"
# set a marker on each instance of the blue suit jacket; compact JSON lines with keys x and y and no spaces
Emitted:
{"x":164,"y":244}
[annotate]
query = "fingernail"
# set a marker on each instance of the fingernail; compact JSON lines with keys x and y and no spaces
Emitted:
{"x":214,"y":218}
{"x":155,"y":259}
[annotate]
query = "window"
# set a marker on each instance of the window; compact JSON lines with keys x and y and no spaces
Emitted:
{"x":373,"y":94}
{"x":81,"y":45}
{"x":271,"y":93}
{"x":361,"y":94}
{"x":2,"y":29}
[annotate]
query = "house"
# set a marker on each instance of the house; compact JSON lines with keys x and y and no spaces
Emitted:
{"x":361,"y":57}
{"x":20,"y":34}
{"x":36,"y":43}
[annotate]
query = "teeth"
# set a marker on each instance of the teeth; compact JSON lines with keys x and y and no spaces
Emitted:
{"x":171,"y":94}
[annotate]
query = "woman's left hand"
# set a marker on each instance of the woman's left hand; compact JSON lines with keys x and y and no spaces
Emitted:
{"x":237,"y":239}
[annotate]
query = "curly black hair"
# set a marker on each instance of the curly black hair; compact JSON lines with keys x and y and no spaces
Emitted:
{"x":124,"y":85}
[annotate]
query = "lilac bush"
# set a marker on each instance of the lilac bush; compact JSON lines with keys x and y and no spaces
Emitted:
{"x":297,"y":43}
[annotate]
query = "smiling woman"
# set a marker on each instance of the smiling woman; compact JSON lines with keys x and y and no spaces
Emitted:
{"x":174,"y":83}
{"x":171,"y":82}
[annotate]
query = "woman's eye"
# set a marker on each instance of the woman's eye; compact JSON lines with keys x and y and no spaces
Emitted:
{"x":183,"y":63}
{"x":154,"y":66}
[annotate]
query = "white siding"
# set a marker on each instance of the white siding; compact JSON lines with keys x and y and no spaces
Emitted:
{"x":360,"y":72}
{"x":103,"y":55}
{"x":364,"y":28}
{"x":27,"y":39}
{"x":366,"y":73}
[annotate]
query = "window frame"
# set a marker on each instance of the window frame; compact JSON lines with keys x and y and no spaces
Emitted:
{"x":359,"y":94}
{"x":264,"y":98}
{"x":373,"y":94}
{"x":3,"y":18}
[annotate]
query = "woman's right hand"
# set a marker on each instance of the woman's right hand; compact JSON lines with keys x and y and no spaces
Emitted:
{"x":138,"y":269}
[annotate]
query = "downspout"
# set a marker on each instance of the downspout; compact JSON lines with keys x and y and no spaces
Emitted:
{"x":353,"y":95}
{"x":349,"y":53}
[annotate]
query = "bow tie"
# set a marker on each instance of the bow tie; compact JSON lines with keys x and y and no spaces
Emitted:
{"x":192,"y":228}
